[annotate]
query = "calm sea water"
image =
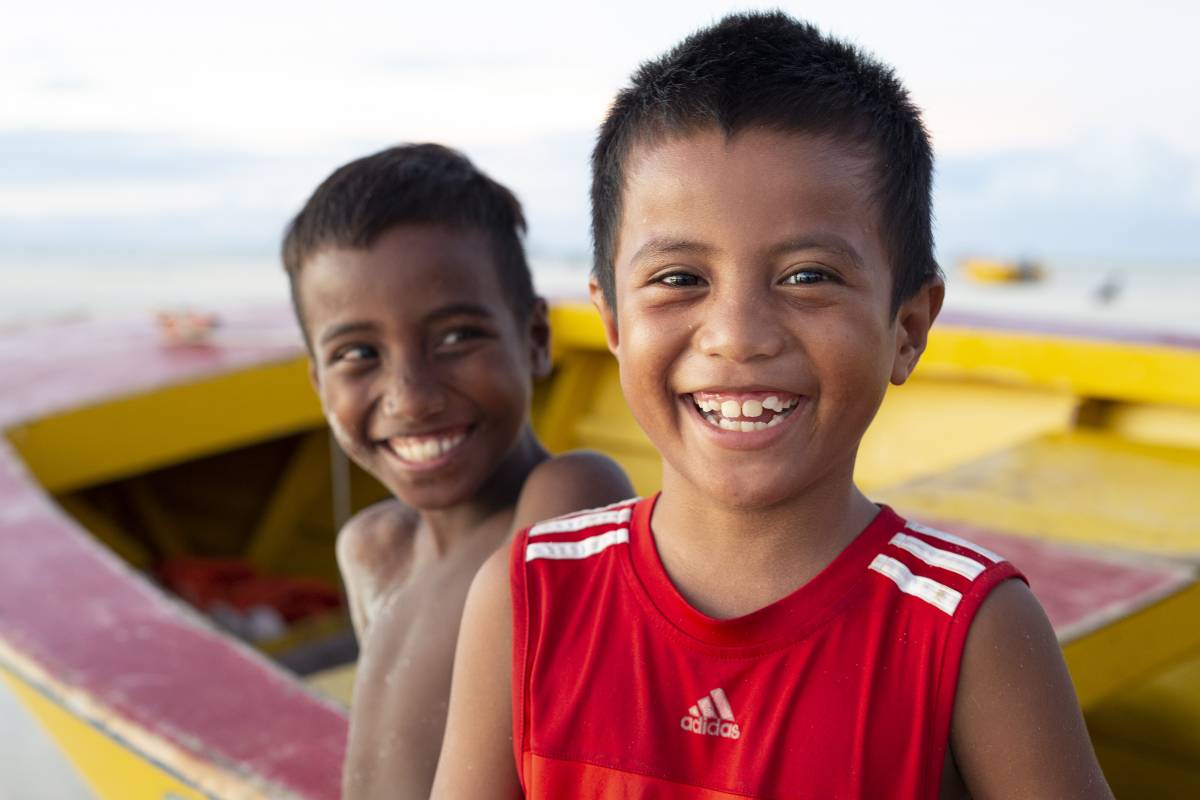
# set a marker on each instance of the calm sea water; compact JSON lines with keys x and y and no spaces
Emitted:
{"x":1158,"y":298}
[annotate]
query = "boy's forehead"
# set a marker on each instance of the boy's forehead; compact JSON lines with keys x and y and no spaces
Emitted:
{"x":406,"y":270}
{"x":422,"y":255}
{"x":749,"y":161}
{"x":780,"y":183}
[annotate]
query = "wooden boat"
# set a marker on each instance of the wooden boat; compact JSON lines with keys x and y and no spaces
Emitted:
{"x":1075,"y":453}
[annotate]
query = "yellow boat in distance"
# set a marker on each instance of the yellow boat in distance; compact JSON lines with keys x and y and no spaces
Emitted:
{"x":1074,"y":453}
{"x":986,"y":270}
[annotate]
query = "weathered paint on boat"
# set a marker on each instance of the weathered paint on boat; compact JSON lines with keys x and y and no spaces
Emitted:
{"x":1073,"y":452}
{"x":144,"y":696}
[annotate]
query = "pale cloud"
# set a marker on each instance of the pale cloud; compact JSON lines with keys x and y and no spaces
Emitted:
{"x":1058,"y":125}
{"x":290,"y":76}
{"x":124,"y":200}
{"x":1105,"y":197}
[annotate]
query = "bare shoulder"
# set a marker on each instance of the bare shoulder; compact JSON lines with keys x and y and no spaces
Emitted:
{"x":1017,"y":730}
{"x":377,"y":533}
{"x":373,"y":548}
{"x":570,"y":482}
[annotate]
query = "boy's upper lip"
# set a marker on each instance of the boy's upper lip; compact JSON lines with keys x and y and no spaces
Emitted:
{"x":742,"y":391}
{"x":440,"y":431}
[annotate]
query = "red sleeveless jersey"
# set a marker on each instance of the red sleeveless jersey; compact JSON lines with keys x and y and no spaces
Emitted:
{"x":843,"y":689}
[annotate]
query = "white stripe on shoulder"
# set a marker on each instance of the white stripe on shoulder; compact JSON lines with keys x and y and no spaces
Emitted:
{"x":937,"y":595}
{"x":581,"y":521}
{"x":952,"y":539}
{"x":584,"y":548}
{"x":969,"y":568}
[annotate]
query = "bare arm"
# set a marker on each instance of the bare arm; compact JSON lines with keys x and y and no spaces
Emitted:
{"x":477,"y":751}
{"x":1017,"y":730}
{"x":347,"y":551}
{"x":570,"y":482}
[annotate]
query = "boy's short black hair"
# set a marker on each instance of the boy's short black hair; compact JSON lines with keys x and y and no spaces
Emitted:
{"x":769,"y":70}
{"x":411,"y":184}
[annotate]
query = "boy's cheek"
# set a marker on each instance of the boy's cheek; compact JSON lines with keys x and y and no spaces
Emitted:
{"x":333,"y":408}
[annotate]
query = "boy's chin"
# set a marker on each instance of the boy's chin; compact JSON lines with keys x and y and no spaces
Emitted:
{"x":745,"y":492}
{"x":434,"y":498}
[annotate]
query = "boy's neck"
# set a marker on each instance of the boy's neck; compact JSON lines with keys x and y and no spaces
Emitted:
{"x":494,"y":502}
{"x":729,"y":561}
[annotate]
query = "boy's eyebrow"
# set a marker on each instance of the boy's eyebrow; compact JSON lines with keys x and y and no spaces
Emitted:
{"x":669,"y":245}
{"x":452,"y":310}
{"x":345,"y":328}
{"x":830,"y":242}
{"x":666,"y":245}
{"x":459,"y":310}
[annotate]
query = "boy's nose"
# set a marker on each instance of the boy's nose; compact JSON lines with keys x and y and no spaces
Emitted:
{"x":740,"y":328}
{"x":413,"y":397}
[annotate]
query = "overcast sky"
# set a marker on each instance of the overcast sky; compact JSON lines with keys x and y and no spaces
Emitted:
{"x":128,"y":129}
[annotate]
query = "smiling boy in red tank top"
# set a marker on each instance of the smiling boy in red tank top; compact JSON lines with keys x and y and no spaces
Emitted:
{"x":763,"y":269}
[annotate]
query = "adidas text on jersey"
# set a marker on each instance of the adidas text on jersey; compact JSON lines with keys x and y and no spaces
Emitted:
{"x":711,"y":716}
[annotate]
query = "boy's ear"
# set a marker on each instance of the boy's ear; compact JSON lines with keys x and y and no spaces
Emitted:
{"x":913,"y":321}
{"x":313,"y":377}
{"x":539,"y":339}
{"x":608,"y":315}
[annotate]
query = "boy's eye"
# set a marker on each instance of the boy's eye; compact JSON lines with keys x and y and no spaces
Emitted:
{"x":354,"y":353}
{"x":459,"y":335}
{"x":678,"y":279}
{"x":806,"y":277}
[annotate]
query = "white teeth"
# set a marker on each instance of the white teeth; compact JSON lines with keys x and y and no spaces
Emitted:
{"x":423,"y":450}
{"x":748,"y":408}
{"x":728,"y":414}
{"x":744,"y":426}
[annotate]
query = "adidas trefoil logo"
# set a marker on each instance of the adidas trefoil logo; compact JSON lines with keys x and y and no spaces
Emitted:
{"x":711,"y":716}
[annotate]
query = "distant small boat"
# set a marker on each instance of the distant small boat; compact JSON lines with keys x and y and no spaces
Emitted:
{"x":984,"y":270}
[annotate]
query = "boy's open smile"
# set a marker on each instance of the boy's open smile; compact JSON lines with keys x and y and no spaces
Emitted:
{"x":746,"y":418}
{"x":426,"y":451}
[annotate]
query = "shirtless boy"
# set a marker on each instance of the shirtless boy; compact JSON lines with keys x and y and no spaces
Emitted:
{"x":763,"y":269}
{"x":410,"y":282}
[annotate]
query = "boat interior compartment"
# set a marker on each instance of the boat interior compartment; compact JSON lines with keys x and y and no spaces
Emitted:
{"x":227,"y":492}
{"x":207,"y":470}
